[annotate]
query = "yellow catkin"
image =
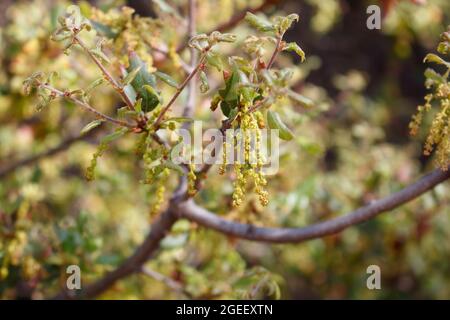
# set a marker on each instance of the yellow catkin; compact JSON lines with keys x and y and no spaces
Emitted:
{"x":192,"y":177}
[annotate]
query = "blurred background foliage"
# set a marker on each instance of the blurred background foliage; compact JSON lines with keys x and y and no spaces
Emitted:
{"x":353,"y":148}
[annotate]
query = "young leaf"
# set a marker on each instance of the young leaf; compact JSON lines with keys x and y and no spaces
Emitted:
{"x":97,"y":52}
{"x":179,"y":119}
{"x":166,"y":78}
{"x":138,"y":106}
{"x":171,"y":165}
{"x":104,"y":29}
{"x":214,"y":59}
{"x":204,"y":85}
{"x":131,"y":75}
{"x":94,"y":85}
{"x":260,"y":23}
{"x":91,"y":125}
{"x":292,"y":46}
{"x":274,"y":122}
{"x":115,"y":135}
{"x":300,"y":99}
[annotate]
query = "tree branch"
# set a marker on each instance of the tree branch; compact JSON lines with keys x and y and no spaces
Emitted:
{"x":85,"y":105}
{"x":106,"y":74}
{"x":65,"y":144}
{"x":158,"y":231}
{"x":191,"y":211}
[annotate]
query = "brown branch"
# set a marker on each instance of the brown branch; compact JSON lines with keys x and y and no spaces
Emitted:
{"x":278,"y":48}
{"x":133,"y":264}
{"x":65,"y":144}
{"x":191,"y":211}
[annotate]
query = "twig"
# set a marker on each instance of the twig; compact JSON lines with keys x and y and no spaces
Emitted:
{"x":192,"y":26}
{"x":172,"y":284}
{"x":275,"y":52}
{"x":179,"y":90}
{"x":117,"y":87}
{"x":235,"y":19}
{"x":85,"y":105}
{"x":65,"y":144}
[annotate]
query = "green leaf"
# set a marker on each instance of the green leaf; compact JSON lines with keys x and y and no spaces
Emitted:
{"x":179,"y":119}
{"x":166,"y":78}
{"x":274,"y":122}
{"x":284,"y":23}
{"x":300,"y":99}
{"x":94,"y":85}
{"x":226,"y":108}
{"x":215,"y":59}
{"x":91,"y":125}
{"x":138,"y":106}
{"x":176,"y":167}
{"x":115,"y":135}
{"x":204,"y":85}
{"x":292,"y":46}
{"x":97,"y":52}
{"x":104,"y":30}
{"x":229,"y":93}
{"x":131,"y":75}
{"x":259,"y":22}
{"x":149,"y":89}
{"x":150,"y":98}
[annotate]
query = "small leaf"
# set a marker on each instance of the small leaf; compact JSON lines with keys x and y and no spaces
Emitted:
{"x":150,"y":97}
{"x":292,"y":46}
{"x":274,"y":122}
{"x":204,"y":85}
{"x":171,"y":165}
{"x":166,"y":78}
{"x":131,"y":75}
{"x":91,"y":125}
{"x":284,"y":23}
{"x":151,"y":90}
{"x":100,"y":55}
{"x":259,"y":22}
{"x":115,"y":135}
{"x":138,"y":106}
{"x":214,"y":59}
{"x":179,"y":119}
{"x":94,"y":85}
{"x":104,"y":29}
{"x":229,"y":93}
{"x":300,"y":99}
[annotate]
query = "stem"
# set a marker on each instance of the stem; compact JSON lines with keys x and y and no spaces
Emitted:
{"x":179,"y":90}
{"x":106,"y":73}
{"x":86,"y":106}
{"x":191,"y":98}
{"x":172,"y":284}
{"x":275,"y":52}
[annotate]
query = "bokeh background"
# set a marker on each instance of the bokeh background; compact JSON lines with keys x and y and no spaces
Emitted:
{"x":352,"y":148}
